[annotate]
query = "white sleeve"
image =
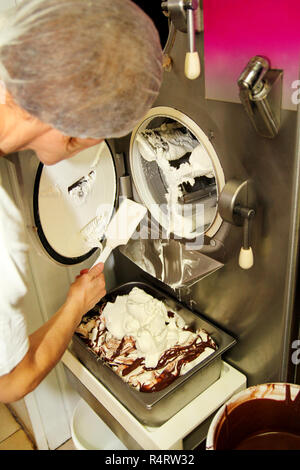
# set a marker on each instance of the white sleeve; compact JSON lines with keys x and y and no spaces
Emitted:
{"x":14,"y":342}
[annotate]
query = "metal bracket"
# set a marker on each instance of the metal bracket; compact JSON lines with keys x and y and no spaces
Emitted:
{"x":261,"y":95}
{"x":237,"y":206}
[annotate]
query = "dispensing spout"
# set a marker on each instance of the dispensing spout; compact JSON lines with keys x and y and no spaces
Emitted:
{"x":252,"y":77}
{"x":260,"y":93}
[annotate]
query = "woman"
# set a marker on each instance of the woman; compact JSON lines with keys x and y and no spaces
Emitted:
{"x":74,"y":72}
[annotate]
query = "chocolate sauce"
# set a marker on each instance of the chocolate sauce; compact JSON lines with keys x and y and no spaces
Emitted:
{"x":162,"y":381}
{"x":261,"y":424}
{"x":100,"y":333}
{"x":190,"y":352}
{"x":118,"y":350}
{"x":132,"y":366}
{"x":166,"y":377}
{"x":271,"y":441}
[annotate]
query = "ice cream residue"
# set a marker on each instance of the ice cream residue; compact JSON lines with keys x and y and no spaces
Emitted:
{"x":170,"y":142}
{"x":82,"y":188}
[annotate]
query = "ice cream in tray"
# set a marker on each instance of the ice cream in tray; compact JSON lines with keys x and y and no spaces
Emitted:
{"x":146,"y":343}
{"x":152,"y":353}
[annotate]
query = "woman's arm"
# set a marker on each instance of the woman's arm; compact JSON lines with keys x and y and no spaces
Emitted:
{"x":49,"y":342}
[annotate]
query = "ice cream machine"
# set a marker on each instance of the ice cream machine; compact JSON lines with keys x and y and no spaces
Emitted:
{"x":215,"y":161}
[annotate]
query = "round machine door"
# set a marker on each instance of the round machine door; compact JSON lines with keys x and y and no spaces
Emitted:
{"x":177,"y":173}
{"x":72,"y":199}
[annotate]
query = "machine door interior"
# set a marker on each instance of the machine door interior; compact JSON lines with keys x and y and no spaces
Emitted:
{"x":73,"y":198}
{"x":177,"y":173}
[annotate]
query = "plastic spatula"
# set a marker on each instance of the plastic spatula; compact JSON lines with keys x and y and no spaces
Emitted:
{"x":121,"y":227}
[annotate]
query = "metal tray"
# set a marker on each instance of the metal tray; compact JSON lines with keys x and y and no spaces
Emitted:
{"x":155,"y":408}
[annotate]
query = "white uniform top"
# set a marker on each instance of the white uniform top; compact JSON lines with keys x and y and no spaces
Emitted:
{"x":14,"y":342}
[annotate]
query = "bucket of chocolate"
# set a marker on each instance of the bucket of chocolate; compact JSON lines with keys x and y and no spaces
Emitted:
{"x":262,"y":417}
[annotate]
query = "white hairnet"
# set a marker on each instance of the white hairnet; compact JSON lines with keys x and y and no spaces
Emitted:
{"x":89,"y":68}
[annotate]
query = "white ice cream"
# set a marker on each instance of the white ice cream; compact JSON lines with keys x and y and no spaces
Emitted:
{"x":146,"y":320}
{"x":144,"y":343}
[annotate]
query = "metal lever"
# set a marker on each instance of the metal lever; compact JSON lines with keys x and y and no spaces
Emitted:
{"x":236,"y":206}
{"x":182,"y":15}
{"x":261,"y":93}
{"x":192,"y":68}
{"x":246,"y":259}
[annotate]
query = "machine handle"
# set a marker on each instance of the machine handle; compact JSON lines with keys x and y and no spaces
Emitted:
{"x":183,"y":16}
{"x":192,"y":67}
{"x":236,"y":206}
{"x":246,"y":258}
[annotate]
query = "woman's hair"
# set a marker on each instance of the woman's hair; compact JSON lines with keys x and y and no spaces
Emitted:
{"x":89,"y":68}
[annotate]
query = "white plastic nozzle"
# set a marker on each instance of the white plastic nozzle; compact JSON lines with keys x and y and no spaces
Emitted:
{"x":246,"y":258}
{"x":192,"y":68}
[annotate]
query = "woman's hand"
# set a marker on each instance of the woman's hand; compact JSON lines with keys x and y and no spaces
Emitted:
{"x":87,"y":289}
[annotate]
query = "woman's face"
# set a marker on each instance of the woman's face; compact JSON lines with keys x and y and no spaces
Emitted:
{"x":52,"y":146}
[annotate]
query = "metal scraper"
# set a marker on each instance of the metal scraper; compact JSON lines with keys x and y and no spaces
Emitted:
{"x":121,"y":227}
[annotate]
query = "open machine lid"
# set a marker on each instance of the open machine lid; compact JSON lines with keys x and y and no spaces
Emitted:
{"x":68,"y":196}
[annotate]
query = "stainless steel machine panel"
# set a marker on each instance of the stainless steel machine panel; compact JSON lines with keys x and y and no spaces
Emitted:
{"x":256,"y":305}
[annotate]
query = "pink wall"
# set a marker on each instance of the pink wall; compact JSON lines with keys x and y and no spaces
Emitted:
{"x":236,"y":30}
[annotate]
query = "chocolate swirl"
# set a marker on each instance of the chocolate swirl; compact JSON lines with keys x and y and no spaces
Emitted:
{"x":116,"y":354}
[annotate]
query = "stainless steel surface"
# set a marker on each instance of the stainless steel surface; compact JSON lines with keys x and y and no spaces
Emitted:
{"x":236,"y":206}
{"x":177,"y":12}
{"x":155,"y":408}
{"x":290,"y":370}
{"x":126,"y":187}
{"x":261,"y":94}
{"x":171,"y":262}
{"x":255,"y":305}
{"x":236,"y":195}
{"x":254,"y":73}
{"x":246,"y":228}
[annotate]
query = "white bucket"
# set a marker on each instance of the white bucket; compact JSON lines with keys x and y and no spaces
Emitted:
{"x":89,"y":432}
